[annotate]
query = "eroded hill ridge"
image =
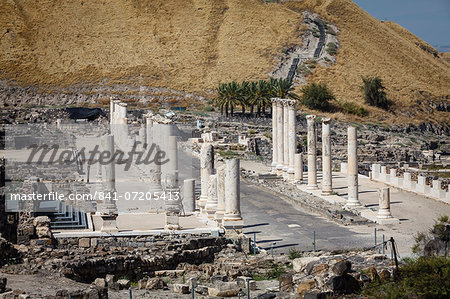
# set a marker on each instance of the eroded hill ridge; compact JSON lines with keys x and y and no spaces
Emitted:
{"x":167,"y":50}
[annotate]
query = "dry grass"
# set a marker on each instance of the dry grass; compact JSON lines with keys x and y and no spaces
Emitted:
{"x":384,"y":49}
{"x":194,"y":45}
{"x":187,"y":45}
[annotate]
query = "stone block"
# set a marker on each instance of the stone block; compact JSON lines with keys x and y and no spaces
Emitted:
{"x":224,"y":289}
{"x":100,"y":282}
{"x":181,"y":288}
{"x":84,"y":242}
{"x":124,"y":284}
{"x":301,"y":263}
{"x":342,"y":267}
{"x":155,"y":284}
{"x":41,"y":221}
{"x":220,"y":278}
{"x":43,"y":232}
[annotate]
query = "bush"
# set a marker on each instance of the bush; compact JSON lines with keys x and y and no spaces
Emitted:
{"x":331,"y":49}
{"x":353,"y":108}
{"x":208,"y":108}
{"x":316,"y":96}
{"x":374,"y":92}
{"x":294,"y":253}
{"x":418,"y":278}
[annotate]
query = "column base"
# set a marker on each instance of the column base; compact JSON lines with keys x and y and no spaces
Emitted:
{"x":384,"y":214}
{"x":211,"y":210}
{"x":312,"y":187}
{"x":353,"y":202}
{"x":219,"y":216}
{"x":172,"y":222}
{"x":109,"y":223}
{"x":327,"y":192}
{"x":388,"y":221}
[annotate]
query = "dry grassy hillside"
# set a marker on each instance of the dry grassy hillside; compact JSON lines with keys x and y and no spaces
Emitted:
{"x":193,"y":45}
{"x":385,"y":49}
{"x":187,"y":45}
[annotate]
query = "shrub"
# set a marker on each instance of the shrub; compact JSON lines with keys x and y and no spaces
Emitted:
{"x":353,"y":108}
{"x":294,"y":253}
{"x":208,"y":108}
{"x":331,"y":49}
{"x":418,"y":278}
{"x":316,"y":96}
{"x":374,"y":93}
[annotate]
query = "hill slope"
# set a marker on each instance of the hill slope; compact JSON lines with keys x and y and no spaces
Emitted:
{"x":194,"y":45}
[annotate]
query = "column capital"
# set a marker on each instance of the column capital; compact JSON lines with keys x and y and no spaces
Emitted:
{"x":311,"y":117}
{"x":291,"y":103}
{"x":326,"y":120}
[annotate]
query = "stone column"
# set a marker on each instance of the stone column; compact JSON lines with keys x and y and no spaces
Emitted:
{"x":285,"y":138}
{"x":280,"y":136}
{"x":274,"y":135}
{"x":142,"y":138}
{"x":384,"y":212}
{"x":108,"y":209}
{"x":149,"y":132}
{"x":298,"y":165}
{"x":383,"y":173}
{"x":206,"y":169}
{"x":154,"y":183}
{"x":352,"y":170}
{"x":232,"y":217}
{"x":312,"y":153}
{"x":327,"y":173}
{"x":172,"y":165}
{"x":189,"y":195}
{"x":292,"y":138}
{"x":220,"y":193}
{"x":211,"y":204}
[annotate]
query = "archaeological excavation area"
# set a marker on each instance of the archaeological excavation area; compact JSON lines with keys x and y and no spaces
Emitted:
{"x":172,"y":205}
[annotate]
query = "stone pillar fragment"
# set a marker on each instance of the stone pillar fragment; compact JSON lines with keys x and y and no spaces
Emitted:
{"x":232,"y":217}
{"x":153,"y":178}
{"x":149,"y":132}
{"x":376,"y":169}
{"x":211,"y":204}
{"x":298,"y":165}
{"x":312,"y":153}
{"x":280,"y":136}
{"x":206,"y":169}
{"x":292,"y":145}
{"x":384,"y":211}
{"x":407,"y":182}
{"x":107,"y":208}
{"x":421,"y":184}
{"x":220,"y":193}
{"x":172,"y":165}
{"x":327,"y":174}
{"x":274,"y":135}
{"x":189,"y":195}
{"x":352,"y":170}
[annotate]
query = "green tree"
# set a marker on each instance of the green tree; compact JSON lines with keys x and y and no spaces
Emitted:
{"x":374,"y":93}
{"x":316,"y":96}
{"x":282,"y":88}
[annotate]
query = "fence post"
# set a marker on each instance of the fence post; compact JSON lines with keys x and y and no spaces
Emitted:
{"x":314,"y":240}
{"x":383,"y":244}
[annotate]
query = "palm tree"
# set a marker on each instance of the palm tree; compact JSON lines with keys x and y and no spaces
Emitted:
{"x":282,"y":88}
{"x":262,"y":96}
{"x":221,"y":98}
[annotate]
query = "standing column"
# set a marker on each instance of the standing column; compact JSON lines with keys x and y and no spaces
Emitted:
{"x":220,"y":193}
{"x":189,"y":195}
{"x":154,"y":183}
{"x":285,"y":138}
{"x":292,"y":138}
{"x":384,"y":212}
{"x":280,"y":136}
{"x":312,"y":153}
{"x":149,"y":132}
{"x":232,"y":217}
{"x":327,"y":188}
{"x":352,"y":169}
{"x":211,"y":204}
{"x":108,"y":208}
{"x":274,"y":134}
{"x":298,"y":176}
{"x":206,"y":169}
{"x":172,"y":165}
{"x":142,"y":137}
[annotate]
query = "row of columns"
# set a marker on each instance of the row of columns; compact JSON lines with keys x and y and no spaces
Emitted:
{"x":284,"y":137}
{"x":289,"y":164}
{"x":220,"y":189}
